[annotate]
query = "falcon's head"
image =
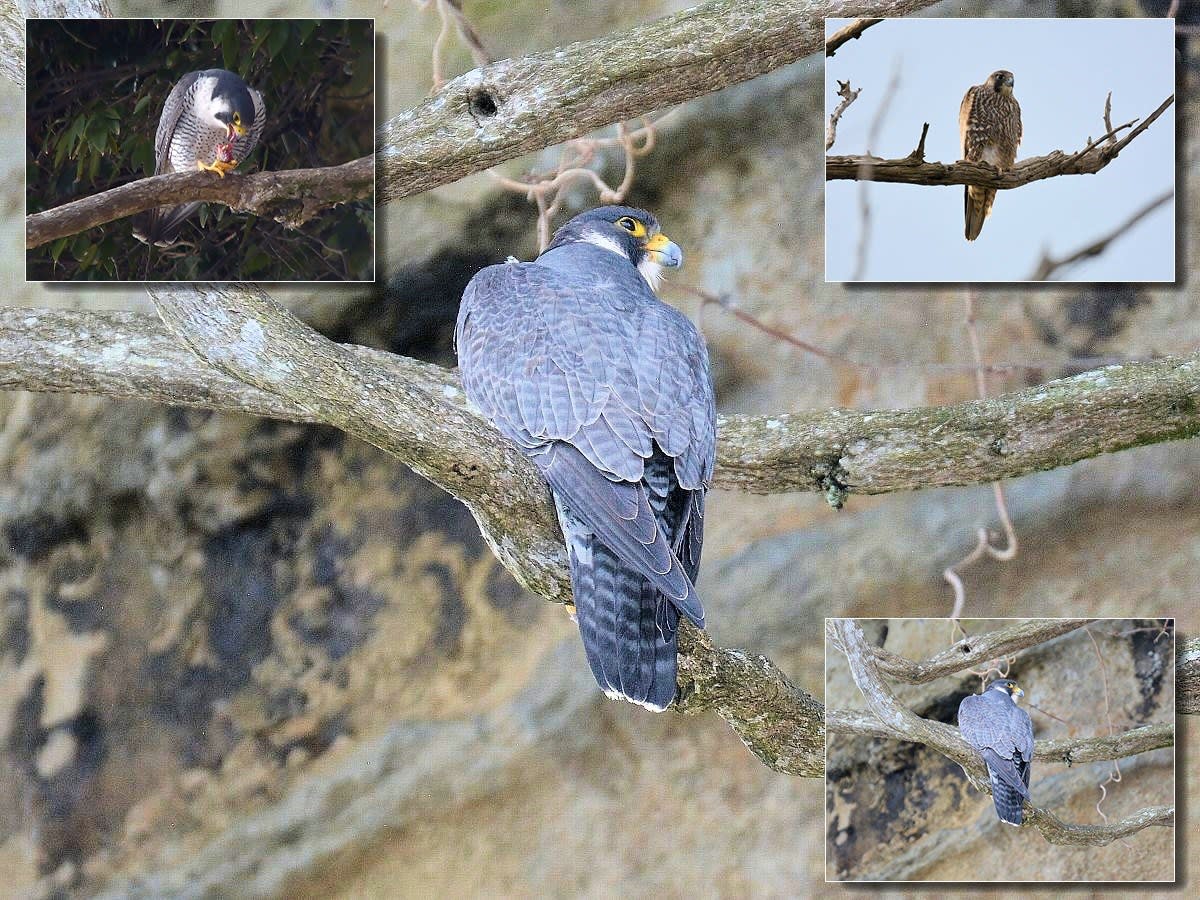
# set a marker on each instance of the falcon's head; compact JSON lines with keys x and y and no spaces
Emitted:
{"x":230,"y":105}
{"x":1008,"y":687}
{"x":1001,"y":82}
{"x":628,"y":232}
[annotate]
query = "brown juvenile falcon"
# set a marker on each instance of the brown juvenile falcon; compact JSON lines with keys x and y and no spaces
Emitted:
{"x":989,"y":125}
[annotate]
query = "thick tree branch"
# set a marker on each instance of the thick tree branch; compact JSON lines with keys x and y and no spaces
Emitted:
{"x":913,"y":169}
{"x":971,"y":651}
{"x":893,"y":719}
{"x":1187,"y":678}
{"x":292,"y":197}
{"x":844,"y":451}
{"x":516,"y":106}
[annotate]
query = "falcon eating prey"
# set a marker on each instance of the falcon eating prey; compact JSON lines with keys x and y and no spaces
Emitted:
{"x":608,"y":391}
{"x":212,"y":120}
{"x":1002,"y":733}
{"x":989,"y":126}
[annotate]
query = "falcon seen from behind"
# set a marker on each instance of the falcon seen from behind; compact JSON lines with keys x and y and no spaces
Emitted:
{"x":989,"y":126}
{"x":212,"y":120}
{"x":607,"y":390}
{"x":1002,"y":732}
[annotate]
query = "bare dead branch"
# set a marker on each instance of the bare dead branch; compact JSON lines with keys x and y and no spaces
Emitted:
{"x":504,"y":110}
{"x":1048,"y":267}
{"x":907,"y":170}
{"x":851,"y":32}
{"x":848,"y":96}
{"x":969,"y":651}
{"x":902,"y":724}
{"x":292,"y":197}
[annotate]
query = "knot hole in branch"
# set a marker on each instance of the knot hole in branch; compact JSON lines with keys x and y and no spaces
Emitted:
{"x":483,"y":103}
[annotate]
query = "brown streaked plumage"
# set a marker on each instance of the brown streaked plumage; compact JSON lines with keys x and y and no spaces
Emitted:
{"x":989,"y":126}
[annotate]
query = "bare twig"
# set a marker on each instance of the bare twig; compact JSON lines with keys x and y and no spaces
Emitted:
{"x":549,"y":190}
{"x":848,"y":96}
{"x":851,"y":32}
{"x":1049,"y":266}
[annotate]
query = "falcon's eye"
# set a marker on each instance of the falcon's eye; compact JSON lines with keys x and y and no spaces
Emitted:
{"x":633,"y":226}
{"x":237,"y":119}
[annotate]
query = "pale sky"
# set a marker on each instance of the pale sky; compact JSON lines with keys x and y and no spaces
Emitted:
{"x":1063,"y":68}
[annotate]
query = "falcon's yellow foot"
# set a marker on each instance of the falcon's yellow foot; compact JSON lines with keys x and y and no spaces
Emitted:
{"x":219,"y":166}
{"x":571,"y":611}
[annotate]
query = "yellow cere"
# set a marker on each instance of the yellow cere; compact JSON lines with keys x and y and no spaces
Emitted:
{"x":658,"y":242}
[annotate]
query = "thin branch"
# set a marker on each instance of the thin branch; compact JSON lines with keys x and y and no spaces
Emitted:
{"x":848,"y":96}
{"x":1049,"y":265}
{"x":903,"y":724}
{"x":908,"y":170}
{"x":292,"y":197}
{"x":504,"y":110}
{"x":1051,"y":425}
{"x":1067,"y":751}
{"x":967,"y":652}
{"x":851,"y":32}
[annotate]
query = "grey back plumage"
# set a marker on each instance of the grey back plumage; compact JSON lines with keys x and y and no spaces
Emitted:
{"x":1002,"y":732}
{"x":608,"y":390}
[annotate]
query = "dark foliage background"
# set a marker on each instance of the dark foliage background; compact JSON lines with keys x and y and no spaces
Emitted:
{"x":95,"y":91}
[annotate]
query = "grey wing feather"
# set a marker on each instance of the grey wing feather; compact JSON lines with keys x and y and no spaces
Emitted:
{"x":167,"y":121}
{"x":573,"y":379}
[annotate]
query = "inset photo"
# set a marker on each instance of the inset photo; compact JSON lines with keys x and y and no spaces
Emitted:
{"x":1000,"y":750}
{"x":1000,"y":150}
{"x":200,"y":150}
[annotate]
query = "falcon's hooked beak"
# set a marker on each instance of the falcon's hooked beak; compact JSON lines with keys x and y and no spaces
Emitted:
{"x":664,"y":251}
{"x":231,"y":129}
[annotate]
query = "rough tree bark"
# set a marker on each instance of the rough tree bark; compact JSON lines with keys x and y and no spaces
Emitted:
{"x":514,"y":106}
{"x":913,"y":169}
{"x":292,"y":197}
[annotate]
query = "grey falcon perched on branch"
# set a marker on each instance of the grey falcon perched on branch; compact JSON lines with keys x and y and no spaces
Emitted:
{"x":1002,"y":733}
{"x":607,"y":389}
{"x":989,"y":126}
{"x":211,"y":121}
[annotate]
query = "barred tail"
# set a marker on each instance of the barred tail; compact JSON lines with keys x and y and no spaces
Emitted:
{"x":628,"y":628}
{"x":977,"y":206}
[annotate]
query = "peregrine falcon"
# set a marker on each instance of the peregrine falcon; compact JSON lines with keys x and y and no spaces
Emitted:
{"x":608,"y":391}
{"x":212,"y":120}
{"x":989,"y":126}
{"x":1002,"y":732}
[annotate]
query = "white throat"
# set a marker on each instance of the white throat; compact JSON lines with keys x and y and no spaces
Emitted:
{"x":651,"y":271}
